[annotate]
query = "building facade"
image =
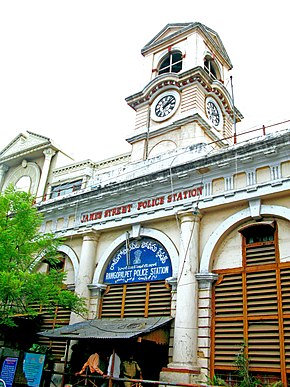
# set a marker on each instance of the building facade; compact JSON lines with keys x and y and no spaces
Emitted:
{"x":189,"y":230}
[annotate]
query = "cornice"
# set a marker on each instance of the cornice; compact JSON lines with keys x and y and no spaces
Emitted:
{"x":27,"y":151}
{"x":72,"y":167}
{"x":224,"y":158}
{"x":93,"y":165}
{"x":180,"y":81}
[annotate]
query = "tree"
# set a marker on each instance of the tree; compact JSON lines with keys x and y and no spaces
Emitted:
{"x":22,"y":247}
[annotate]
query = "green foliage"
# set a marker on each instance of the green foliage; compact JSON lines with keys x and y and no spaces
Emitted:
{"x":217,"y":381}
{"x":22,"y":247}
{"x":242,"y":363}
{"x":244,"y":377}
{"x":37,"y":348}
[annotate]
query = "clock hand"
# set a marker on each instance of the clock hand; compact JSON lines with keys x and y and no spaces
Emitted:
{"x":168,"y":102}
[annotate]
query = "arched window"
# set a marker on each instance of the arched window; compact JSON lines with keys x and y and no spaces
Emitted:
{"x":251,"y":307}
{"x":172,"y":63}
{"x":211,"y":68}
{"x":23,"y":184}
{"x":57,"y":264}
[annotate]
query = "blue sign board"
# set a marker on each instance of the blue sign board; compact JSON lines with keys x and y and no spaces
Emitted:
{"x":8,"y":370}
{"x":32,"y":367}
{"x":143,"y":260}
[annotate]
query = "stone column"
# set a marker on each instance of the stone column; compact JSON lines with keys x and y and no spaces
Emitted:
{"x":96,"y":293}
{"x":48,"y":153}
{"x":185,"y":330}
{"x":86,"y":269}
{"x":205,"y":280}
{"x":3,"y":170}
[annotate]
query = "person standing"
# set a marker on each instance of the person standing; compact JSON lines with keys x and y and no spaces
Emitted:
{"x":93,"y":364}
{"x":130,"y":369}
{"x":114,"y":368}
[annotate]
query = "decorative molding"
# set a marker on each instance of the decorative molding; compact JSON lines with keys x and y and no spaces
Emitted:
{"x":97,"y":290}
{"x":29,"y":169}
{"x":24,"y":143}
{"x":231,"y":222}
{"x":49,"y":153}
{"x":172,"y":281}
{"x":255,"y":208}
{"x":179,"y":81}
{"x":206,"y":279}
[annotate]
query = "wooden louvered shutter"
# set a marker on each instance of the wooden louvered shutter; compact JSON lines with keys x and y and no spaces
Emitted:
{"x":113,"y":301}
{"x":51,"y":320}
{"x":159,"y":303}
{"x":264,"y":287}
{"x":228,"y":319}
{"x":263,"y":322}
{"x":261,"y":314}
{"x":260,"y":253}
{"x":285,"y":290}
{"x":141,"y":299}
{"x":135,"y":300}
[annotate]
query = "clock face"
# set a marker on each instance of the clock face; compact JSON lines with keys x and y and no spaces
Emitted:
{"x":214,"y":113}
{"x":165,"y":105}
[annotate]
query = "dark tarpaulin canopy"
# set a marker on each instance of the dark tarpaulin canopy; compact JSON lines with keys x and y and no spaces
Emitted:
{"x":109,"y":328}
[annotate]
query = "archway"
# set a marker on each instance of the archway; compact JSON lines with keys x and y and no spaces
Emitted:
{"x":230,"y":223}
{"x":135,"y":269}
{"x":246,"y":306}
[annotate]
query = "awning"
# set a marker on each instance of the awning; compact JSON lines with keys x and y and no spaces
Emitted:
{"x":120,"y":328}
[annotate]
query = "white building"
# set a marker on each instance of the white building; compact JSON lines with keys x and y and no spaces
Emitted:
{"x":183,"y":242}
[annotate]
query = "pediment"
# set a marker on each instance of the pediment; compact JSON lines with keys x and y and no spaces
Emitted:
{"x":23,"y":143}
{"x":176,"y":30}
{"x":169,"y":31}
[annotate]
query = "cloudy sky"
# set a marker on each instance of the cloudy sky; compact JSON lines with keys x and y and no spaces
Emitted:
{"x":66,"y":66}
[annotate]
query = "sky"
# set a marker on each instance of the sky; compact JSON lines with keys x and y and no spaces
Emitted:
{"x":66,"y":66}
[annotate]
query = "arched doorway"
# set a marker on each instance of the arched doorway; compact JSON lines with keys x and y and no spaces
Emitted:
{"x":136,"y":278}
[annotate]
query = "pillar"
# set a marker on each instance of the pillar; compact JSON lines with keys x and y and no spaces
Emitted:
{"x":48,"y":153}
{"x":206,"y":280}
{"x":3,"y":170}
{"x":86,"y":269}
{"x":185,"y":329}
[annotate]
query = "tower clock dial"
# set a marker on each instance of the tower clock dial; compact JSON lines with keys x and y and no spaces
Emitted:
{"x":214,"y":113}
{"x":165,"y":105}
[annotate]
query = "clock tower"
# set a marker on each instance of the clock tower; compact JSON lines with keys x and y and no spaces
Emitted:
{"x":186,"y":101}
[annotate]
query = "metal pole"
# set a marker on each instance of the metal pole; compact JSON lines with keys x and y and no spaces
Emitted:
{"x":234,"y":112}
{"x":112,"y":366}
